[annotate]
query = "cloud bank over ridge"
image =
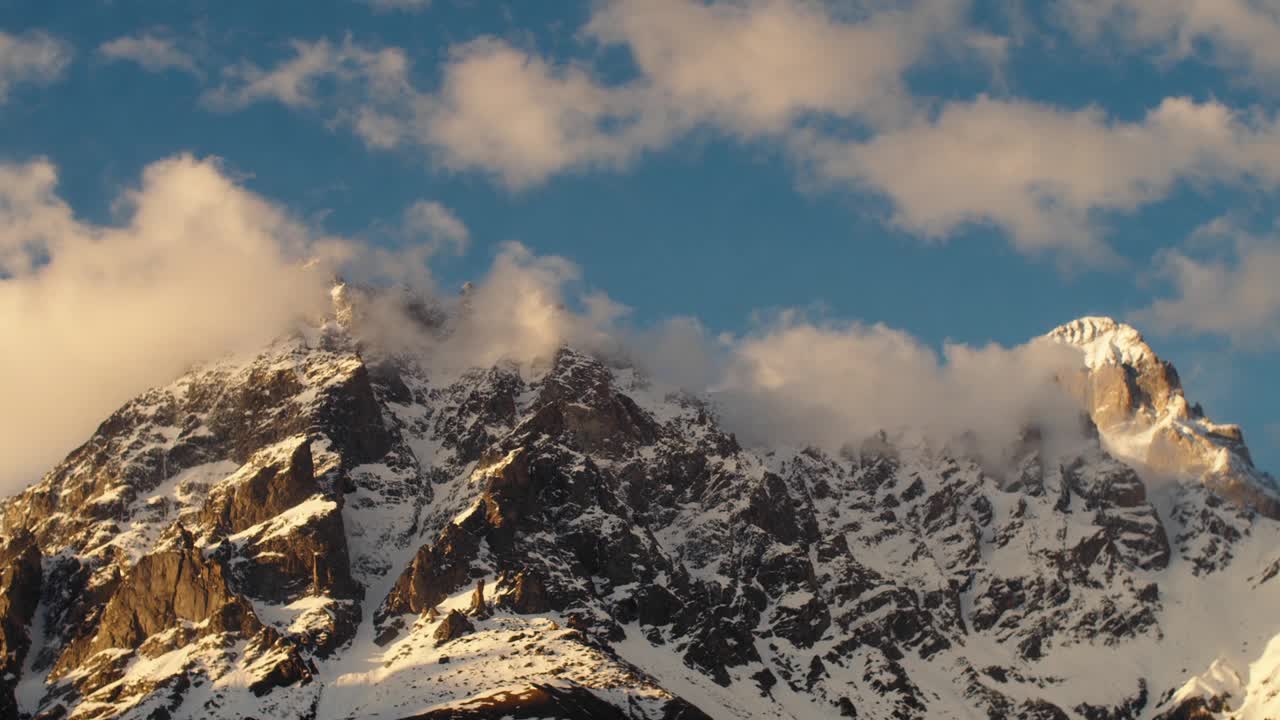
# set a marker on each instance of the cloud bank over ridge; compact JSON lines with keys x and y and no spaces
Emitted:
{"x":101,"y":313}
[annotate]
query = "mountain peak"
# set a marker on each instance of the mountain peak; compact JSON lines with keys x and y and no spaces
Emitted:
{"x":1137,"y":402}
{"x":1105,"y":341}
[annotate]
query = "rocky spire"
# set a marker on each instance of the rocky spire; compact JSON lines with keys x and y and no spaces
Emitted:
{"x":1137,"y":401}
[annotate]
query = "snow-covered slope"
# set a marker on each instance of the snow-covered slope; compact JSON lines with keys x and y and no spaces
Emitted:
{"x":324,"y":532}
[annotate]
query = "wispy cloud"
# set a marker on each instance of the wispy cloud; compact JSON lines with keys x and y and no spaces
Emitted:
{"x":823,"y":85}
{"x":754,"y":68}
{"x":1223,"y":283}
{"x":1238,"y":34}
{"x":152,"y":52}
{"x":380,"y":75}
{"x":35,"y":58}
{"x":438,"y":224}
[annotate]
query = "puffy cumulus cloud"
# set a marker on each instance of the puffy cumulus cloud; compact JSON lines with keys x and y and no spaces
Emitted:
{"x":93,"y":314}
{"x":801,"y":382}
{"x":680,"y":351}
{"x":1046,"y":175}
{"x":35,"y":58}
{"x":151,"y":52}
{"x":199,"y":267}
{"x":1234,"y":33}
{"x":521,"y":311}
{"x":512,"y":114}
{"x":1223,"y":284}
{"x":758,"y":66}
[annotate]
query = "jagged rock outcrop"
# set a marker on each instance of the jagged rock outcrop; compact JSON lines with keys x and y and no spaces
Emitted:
{"x":527,"y":595}
{"x":271,"y":481}
{"x":453,"y":626}
{"x":170,"y":585}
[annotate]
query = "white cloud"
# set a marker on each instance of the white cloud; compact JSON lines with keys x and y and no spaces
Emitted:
{"x":758,"y":66}
{"x":750,"y":67}
{"x":438,"y":224}
{"x":800,"y":382}
{"x":376,"y":74}
{"x":1046,"y":175}
{"x":152,"y":52}
{"x":792,"y":381}
{"x":99,"y":313}
{"x":1226,"y":287}
{"x":499,"y":110}
{"x":523,"y":309}
{"x":36,"y":58}
{"x":1233,"y":33}
{"x":427,"y":229}
{"x":92,"y":315}
{"x":826,"y":81}
{"x":523,"y":119}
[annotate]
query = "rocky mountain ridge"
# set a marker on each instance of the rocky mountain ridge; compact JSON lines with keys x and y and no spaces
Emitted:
{"x":324,"y":532}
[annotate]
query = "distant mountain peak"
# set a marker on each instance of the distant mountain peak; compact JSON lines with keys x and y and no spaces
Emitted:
{"x":1137,"y":401}
{"x":1105,"y":341}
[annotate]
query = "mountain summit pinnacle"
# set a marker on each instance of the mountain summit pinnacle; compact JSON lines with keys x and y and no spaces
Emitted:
{"x":1104,"y":341}
{"x":1137,"y":401}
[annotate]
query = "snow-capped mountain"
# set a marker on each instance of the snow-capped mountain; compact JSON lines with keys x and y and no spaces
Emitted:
{"x":323,"y":531}
{"x":1136,"y":400}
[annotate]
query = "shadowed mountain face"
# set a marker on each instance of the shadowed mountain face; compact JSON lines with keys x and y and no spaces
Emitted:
{"x":322,"y":533}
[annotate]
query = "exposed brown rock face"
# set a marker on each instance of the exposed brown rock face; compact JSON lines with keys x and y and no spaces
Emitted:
{"x":528,"y":594}
{"x":436,"y":571}
{"x":284,"y":477}
{"x":579,"y":405}
{"x":20,"y":585}
{"x":309,"y":558}
{"x":173,"y":598}
{"x":287,"y":667}
{"x":1111,"y":396}
{"x":1196,"y":708}
{"x":509,"y":494}
{"x":251,"y":418}
{"x":1137,"y":400}
{"x":454,"y":626}
{"x":165,"y":587}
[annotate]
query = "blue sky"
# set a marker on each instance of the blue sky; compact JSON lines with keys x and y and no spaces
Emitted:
{"x":971,"y":172}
